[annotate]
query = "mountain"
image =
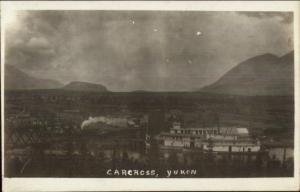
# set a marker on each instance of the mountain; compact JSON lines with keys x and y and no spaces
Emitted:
{"x":140,"y":91}
{"x":85,"y":86}
{"x":17,"y":79}
{"x":261,"y":75}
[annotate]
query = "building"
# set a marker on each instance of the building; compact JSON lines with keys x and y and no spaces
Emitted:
{"x":213,"y":139}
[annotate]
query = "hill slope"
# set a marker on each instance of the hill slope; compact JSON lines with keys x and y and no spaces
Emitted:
{"x":261,"y":75}
{"x":17,"y":79}
{"x":85,"y":86}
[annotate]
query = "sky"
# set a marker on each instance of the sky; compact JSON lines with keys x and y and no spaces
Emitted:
{"x":142,"y":50}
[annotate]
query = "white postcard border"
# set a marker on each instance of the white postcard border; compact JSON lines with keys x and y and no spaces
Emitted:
{"x":117,"y":184}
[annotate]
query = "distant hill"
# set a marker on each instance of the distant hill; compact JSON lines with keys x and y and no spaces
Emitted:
{"x":261,"y":75}
{"x":85,"y":86}
{"x":140,"y":91}
{"x":17,"y":79}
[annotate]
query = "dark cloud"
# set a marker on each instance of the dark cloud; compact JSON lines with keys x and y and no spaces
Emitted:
{"x":152,"y":50}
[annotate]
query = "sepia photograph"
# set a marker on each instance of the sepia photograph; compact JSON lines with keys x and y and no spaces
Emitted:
{"x":148,"y":93}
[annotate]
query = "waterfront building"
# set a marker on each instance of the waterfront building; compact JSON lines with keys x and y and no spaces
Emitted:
{"x":215,"y":139}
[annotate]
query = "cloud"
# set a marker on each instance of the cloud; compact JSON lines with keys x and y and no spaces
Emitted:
{"x":38,"y":43}
{"x":284,"y":17}
{"x":106,"y":47}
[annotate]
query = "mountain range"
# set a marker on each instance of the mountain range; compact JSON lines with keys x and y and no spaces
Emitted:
{"x":84,"y":86}
{"x":17,"y":79}
{"x":265,"y":74}
{"x":261,"y":75}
